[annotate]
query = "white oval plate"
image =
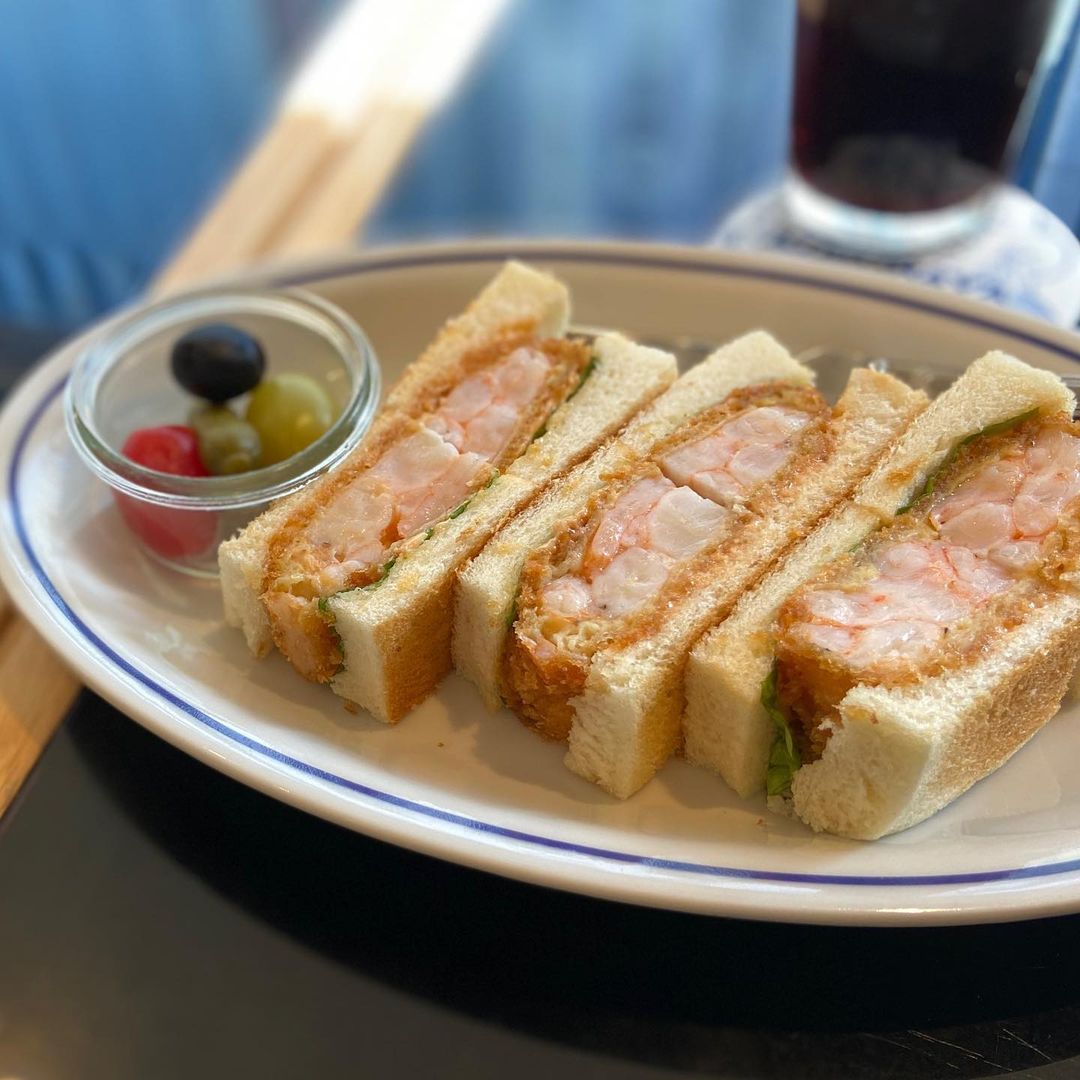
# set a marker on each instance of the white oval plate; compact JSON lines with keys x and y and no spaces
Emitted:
{"x":479,"y":789}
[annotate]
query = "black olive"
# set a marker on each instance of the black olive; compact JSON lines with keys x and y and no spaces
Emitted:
{"x":218,"y":362}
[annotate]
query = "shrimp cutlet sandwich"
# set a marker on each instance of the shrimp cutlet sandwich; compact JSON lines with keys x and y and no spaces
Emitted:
{"x":580,"y":613}
{"x":920,"y":635}
{"x":351,"y":578}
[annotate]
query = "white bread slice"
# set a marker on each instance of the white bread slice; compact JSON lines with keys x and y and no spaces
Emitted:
{"x":487,"y":586}
{"x":517,"y":294}
{"x":725,"y":727}
{"x":627,"y":720}
{"x":995,"y":388}
{"x":899,"y":756}
{"x":395,"y":637}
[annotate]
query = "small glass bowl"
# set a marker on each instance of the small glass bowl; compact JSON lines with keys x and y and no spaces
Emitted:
{"x":123,"y":381}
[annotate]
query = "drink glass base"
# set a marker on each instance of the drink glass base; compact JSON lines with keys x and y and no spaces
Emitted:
{"x":875,"y":234}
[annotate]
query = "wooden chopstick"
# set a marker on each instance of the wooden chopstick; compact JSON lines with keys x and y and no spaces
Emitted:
{"x":310,"y":183}
{"x":347,"y":120}
{"x":353,"y":183}
{"x":36,"y":693}
{"x":271,"y":183}
{"x":435,"y":44}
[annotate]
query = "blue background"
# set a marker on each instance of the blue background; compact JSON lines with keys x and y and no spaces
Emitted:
{"x":602,"y":117}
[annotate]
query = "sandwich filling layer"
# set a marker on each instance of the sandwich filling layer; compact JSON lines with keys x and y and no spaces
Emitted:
{"x":988,"y":541}
{"x":605,"y":572}
{"x":424,"y":470}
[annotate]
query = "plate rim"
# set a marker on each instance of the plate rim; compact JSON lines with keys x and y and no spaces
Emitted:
{"x":60,"y":625}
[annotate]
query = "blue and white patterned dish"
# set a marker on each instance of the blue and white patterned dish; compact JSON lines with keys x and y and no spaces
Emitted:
{"x":1022,"y":258}
{"x":479,"y":789}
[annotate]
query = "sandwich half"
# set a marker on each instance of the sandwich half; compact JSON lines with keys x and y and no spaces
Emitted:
{"x":922,"y":633}
{"x":580,"y":613}
{"x":351,"y":578}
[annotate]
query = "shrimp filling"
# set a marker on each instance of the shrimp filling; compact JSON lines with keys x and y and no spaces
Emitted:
{"x":909,"y":600}
{"x":624,"y":554}
{"x":432,"y":469}
{"x":664,"y":519}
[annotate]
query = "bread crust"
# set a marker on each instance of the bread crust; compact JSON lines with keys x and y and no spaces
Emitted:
{"x":890,"y":764}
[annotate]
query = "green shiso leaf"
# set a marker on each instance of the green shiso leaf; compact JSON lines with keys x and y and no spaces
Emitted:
{"x":950,"y":457}
{"x":383,"y":571}
{"x":511,"y":614}
{"x":586,"y":371}
{"x":784,"y":756}
{"x":589,"y":368}
{"x":323,"y":605}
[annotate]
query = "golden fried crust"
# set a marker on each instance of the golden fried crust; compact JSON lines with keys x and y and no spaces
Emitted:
{"x":322,"y":651}
{"x":811,"y":682}
{"x":281,"y":545}
{"x":569,"y":359}
{"x":539,"y":689}
{"x":538,"y":678}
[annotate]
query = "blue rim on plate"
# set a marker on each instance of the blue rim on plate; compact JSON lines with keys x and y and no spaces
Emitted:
{"x":792,"y":277}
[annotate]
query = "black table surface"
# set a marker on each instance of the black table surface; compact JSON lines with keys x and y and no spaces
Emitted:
{"x":160,"y":920}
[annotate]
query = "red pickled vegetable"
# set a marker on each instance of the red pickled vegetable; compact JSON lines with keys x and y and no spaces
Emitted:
{"x":170,"y":531}
{"x":170,"y":448}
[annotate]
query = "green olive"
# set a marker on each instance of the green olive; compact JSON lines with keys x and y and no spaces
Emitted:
{"x":227,"y":444}
{"x":289,"y":411}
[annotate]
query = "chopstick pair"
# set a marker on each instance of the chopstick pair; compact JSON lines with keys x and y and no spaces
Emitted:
{"x":343,"y":127}
{"x":36,"y":692}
